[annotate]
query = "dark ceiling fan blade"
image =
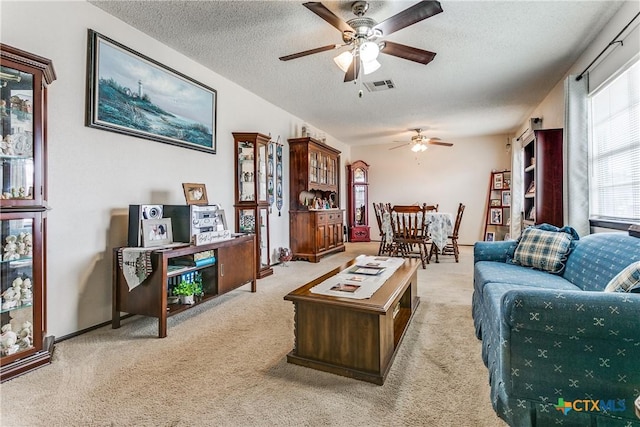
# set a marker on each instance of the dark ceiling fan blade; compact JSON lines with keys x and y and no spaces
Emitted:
{"x":438,"y":141}
{"x":324,"y":13}
{"x":310,"y":52}
{"x":407,"y":52}
{"x":400,"y":146}
{"x":416,"y":13}
{"x":353,"y":71}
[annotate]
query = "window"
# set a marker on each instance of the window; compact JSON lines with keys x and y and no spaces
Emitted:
{"x":614,"y":152}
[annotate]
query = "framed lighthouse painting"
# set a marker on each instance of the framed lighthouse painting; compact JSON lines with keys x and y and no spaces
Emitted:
{"x":132,"y":94}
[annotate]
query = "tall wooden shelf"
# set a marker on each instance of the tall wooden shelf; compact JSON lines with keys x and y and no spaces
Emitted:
{"x":23,"y":211}
{"x":542,"y":178}
{"x":315,"y":217}
{"x":498,"y":213}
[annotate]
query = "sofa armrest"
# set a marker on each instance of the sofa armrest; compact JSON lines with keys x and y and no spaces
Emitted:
{"x":493,"y":251}
{"x":576,"y":314}
{"x":569,"y":344}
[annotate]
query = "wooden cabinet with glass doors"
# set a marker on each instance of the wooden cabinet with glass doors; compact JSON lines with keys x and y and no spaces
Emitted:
{"x":252,"y":202}
{"x":24,"y":78}
{"x":315,"y":218}
{"x":358,"y":186}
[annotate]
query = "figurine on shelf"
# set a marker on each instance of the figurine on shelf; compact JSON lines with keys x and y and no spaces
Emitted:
{"x":26,"y":295}
{"x":8,"y":340}
{"x":25,"y":336}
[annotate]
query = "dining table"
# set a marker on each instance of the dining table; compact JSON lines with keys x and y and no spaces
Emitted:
{"x":440,"y":227}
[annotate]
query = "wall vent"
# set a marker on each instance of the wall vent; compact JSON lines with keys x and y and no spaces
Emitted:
{"x":379,"y":85}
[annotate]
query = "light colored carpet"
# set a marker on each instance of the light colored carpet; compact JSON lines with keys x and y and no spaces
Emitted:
{"x":224,"y":364}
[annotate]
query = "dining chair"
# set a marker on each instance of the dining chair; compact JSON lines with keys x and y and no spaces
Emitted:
{"x":451,"y":247}
{"x":382,"y":211}
{"x":432,"y":208}
{"x":410,"y":235}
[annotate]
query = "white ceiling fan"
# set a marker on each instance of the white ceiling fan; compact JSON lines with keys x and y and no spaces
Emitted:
{"x":420,"y":142}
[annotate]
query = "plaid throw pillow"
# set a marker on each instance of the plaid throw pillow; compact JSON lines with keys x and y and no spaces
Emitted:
{"x":544,"y":250}
{"x":628,"y":280}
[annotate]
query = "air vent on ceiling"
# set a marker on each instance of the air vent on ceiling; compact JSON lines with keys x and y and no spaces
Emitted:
{"x":379,"y":85}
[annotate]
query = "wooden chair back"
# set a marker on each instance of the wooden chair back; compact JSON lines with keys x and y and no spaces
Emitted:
{"x":408,"y":222}
{"x":456,"y":226}
{"x":409,"y":227}
{"x":432,"y":208}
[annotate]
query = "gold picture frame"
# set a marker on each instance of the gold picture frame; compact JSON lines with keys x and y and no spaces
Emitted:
{"x":195,"y":194}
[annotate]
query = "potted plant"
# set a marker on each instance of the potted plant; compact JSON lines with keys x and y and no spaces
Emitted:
{"x":185,"y":290}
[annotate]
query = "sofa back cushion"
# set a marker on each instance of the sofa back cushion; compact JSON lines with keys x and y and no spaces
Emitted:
{"x":598,"y":258}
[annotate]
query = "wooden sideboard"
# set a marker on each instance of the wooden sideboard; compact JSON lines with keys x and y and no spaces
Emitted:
{"x":234,"y":267}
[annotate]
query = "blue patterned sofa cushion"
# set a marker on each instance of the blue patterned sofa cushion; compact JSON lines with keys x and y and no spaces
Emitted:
{"x":597,"y":258}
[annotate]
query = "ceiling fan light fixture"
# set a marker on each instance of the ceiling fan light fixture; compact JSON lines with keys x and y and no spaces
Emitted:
{"x":418,"y":147}
{"x":369,"y":51}
{"x":370,"y":67}
{"x":343,"y":61}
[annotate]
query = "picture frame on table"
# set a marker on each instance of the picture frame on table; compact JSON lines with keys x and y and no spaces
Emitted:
{"x":495,"y":202}
{"x":132,"y":94}
{"x":156,"y":232}
{"x":195,"y":194}
{"x":506,"y":198}
{"x":490,"y":236}
{"x":498,"y":181}
{"x":495,"y":216}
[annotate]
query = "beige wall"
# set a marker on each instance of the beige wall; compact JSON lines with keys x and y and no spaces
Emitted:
{"x":443,"y":175}
{"x":94,"y":175}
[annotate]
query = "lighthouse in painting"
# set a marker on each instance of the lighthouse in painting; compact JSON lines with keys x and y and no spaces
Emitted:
{"x":140,"y":89}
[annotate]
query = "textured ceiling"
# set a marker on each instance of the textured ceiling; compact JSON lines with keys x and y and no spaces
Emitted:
{"x":495,"y":60}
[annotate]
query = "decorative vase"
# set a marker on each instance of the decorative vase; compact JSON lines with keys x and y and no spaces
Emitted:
{"x":187,"y":299}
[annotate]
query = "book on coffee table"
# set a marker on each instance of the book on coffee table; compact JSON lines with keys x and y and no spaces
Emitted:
{"x":345,"y":287}
{"x":367,"y":269}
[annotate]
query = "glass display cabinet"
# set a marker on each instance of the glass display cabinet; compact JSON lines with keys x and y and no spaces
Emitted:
{"x":358,"y":185}
{"x":252,"y":201}
{"x":23,"y":204}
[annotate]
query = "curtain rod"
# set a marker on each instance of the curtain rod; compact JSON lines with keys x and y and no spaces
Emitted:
{"x":614,"y":41}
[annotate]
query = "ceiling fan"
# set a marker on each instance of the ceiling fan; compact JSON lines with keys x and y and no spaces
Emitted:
{"x":420,"y":142}
{"x":361,"y":35}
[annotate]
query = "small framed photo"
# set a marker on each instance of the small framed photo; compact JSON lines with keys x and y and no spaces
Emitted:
{"x":506,"y":198}
{"x":495,"y":202}
{"x":495,"y":216}
{"x":490,"y":237}
{"x":498,"y":179}
{"x":195,"y":194}
{"x":156,"y":232}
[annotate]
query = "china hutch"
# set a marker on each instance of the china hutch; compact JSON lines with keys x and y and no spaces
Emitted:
{"x":24,"y":78}
{"x":315,"y":217}
{"x":542,"y":150}
{"x":358,"y":186}
{"x":252,"y":200}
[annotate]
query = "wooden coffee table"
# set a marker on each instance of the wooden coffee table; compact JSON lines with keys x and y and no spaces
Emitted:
{"x":356,"y":338}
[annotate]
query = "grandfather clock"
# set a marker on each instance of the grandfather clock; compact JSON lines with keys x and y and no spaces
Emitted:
{"x":358,"y":184}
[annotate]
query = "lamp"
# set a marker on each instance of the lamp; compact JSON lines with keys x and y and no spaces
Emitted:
{"x":419,"y":146}
{"x":370,"y":67}
{"x":369,"y":51}
{"x":344,"y":60}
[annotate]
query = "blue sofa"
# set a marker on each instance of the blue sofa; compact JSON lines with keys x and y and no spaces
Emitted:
{"x":559,"y":350}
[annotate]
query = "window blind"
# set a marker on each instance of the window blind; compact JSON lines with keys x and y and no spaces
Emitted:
{"x":614,"y":155}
